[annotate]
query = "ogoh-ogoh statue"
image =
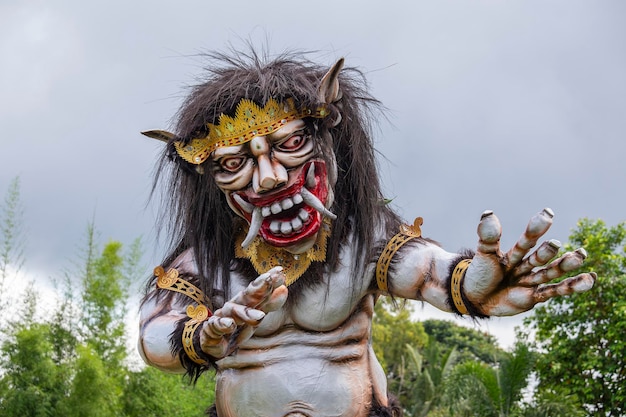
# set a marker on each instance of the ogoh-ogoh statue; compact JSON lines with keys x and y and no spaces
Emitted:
{"x":282,"y":243}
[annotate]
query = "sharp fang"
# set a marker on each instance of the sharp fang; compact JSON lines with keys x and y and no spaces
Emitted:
{"x":314,"y":202}
{"x":243,"y":203}
{"x":310,"y":176}
{"x":255,"y":226}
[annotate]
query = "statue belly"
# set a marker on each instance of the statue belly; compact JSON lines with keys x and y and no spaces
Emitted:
{"x":314,"y":386}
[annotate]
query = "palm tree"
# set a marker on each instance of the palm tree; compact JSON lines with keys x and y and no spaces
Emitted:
{"x":477,"y":389}
{"x":423,"y":376}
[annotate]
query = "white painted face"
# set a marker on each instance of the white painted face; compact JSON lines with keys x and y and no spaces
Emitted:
{"x":278,"y":184}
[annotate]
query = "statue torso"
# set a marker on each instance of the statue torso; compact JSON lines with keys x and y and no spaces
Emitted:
{"x":312,"y":357}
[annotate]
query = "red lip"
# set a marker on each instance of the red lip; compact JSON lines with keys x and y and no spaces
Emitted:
{"x":309,"y":227}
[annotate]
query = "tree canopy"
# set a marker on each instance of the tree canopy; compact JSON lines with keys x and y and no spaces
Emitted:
{"x":582,"y":338}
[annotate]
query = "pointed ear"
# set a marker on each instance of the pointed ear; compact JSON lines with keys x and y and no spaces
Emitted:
{"x":328,"y":91}
{"x":162,"y":135}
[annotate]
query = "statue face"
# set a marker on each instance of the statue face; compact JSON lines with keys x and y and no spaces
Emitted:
{"x":278,"y":184}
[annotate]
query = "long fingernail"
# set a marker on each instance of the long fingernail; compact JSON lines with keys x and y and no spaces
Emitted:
{"x":255,"y":315}
{"x":554,"y":243}
{"x":227,"y":323}
{"x":548,"y":211}
{"x":582,"y":252}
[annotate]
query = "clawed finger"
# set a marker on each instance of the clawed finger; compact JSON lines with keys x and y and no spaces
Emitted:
{"x":241,"y":314}
{"x":489,"y":232}
{"x":537,"y":227}
{"x":215,"y":334}
{"x":275,"y":300}
{"x":217,"y":327}
{"x":260,"y":289}
{"x":557,"y":268}
{"x":540,"y":257}
{"x":577,"y":284}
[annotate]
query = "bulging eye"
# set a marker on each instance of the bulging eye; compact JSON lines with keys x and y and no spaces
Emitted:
{"x":293,"y":143}
{"x":232,"y":164}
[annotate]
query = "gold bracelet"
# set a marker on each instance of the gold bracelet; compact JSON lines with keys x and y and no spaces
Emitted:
{"x":455,"y":285}
{"x":382,"y":265}
{"x":198,"y":315}
{"x":190,"y":328}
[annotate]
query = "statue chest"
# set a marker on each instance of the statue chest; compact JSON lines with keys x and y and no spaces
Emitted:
{"x":322,"y":307}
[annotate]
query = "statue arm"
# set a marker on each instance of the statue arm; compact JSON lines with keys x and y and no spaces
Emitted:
{"x":178,"y":332}
{"x":158,"y":321}
{"x":489,"y":282}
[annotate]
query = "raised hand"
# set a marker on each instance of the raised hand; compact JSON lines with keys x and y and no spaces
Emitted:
{"x":236,"y":320}
{"x":498,"y":284}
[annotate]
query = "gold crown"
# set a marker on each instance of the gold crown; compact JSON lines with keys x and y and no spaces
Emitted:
{"x":250,"y":120}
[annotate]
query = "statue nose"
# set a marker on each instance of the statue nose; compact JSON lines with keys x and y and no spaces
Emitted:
{"x":268,"y":175}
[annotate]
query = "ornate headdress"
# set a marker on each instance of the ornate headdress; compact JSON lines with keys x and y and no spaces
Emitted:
{"x":250,"y":120}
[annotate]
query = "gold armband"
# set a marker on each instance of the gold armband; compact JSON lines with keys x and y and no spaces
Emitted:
{"x":455,"y":285}
{"x":171,"y":281}
{"x":382,"y":266}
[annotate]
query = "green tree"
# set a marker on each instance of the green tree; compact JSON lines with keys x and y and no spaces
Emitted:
{"x":11,"y":239}
{"x":104,"y":298}
{"x":31,"y":378}
{"x":477,"y":389}
{"x":582,"y":336}
{"x":552,"y":404}
{"x":72,"y":361}
{"x":425,"y":376}
{"x":153,"y":393}
{"x":392,"y":331}
{"x":94,"y":391}
{"x":471,"y":344}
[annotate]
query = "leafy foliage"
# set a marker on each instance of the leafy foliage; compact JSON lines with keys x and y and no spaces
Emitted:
{"x":104,"y":298}
{"x":152,"y":393}
{"x":426,"y":377}
{"x":11,"y":238}
{"x":392,"y":330}
{"x":94,"y":390}
{"x":582,"y":337}
{"x":477,"y":389}
{"x":470,"y":344}
{"x":33,"y":386}
{"x":73,"y":361}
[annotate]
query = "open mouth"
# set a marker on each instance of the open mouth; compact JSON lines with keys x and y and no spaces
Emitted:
{"x":290,"y":215}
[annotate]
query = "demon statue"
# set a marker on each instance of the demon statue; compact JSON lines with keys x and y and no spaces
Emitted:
{"x":282,"y":242}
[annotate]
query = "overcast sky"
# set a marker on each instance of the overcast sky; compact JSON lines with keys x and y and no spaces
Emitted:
{"x":505,"y":105}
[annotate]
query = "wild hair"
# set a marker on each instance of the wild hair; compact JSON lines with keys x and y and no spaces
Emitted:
{"x":195,"y":210}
